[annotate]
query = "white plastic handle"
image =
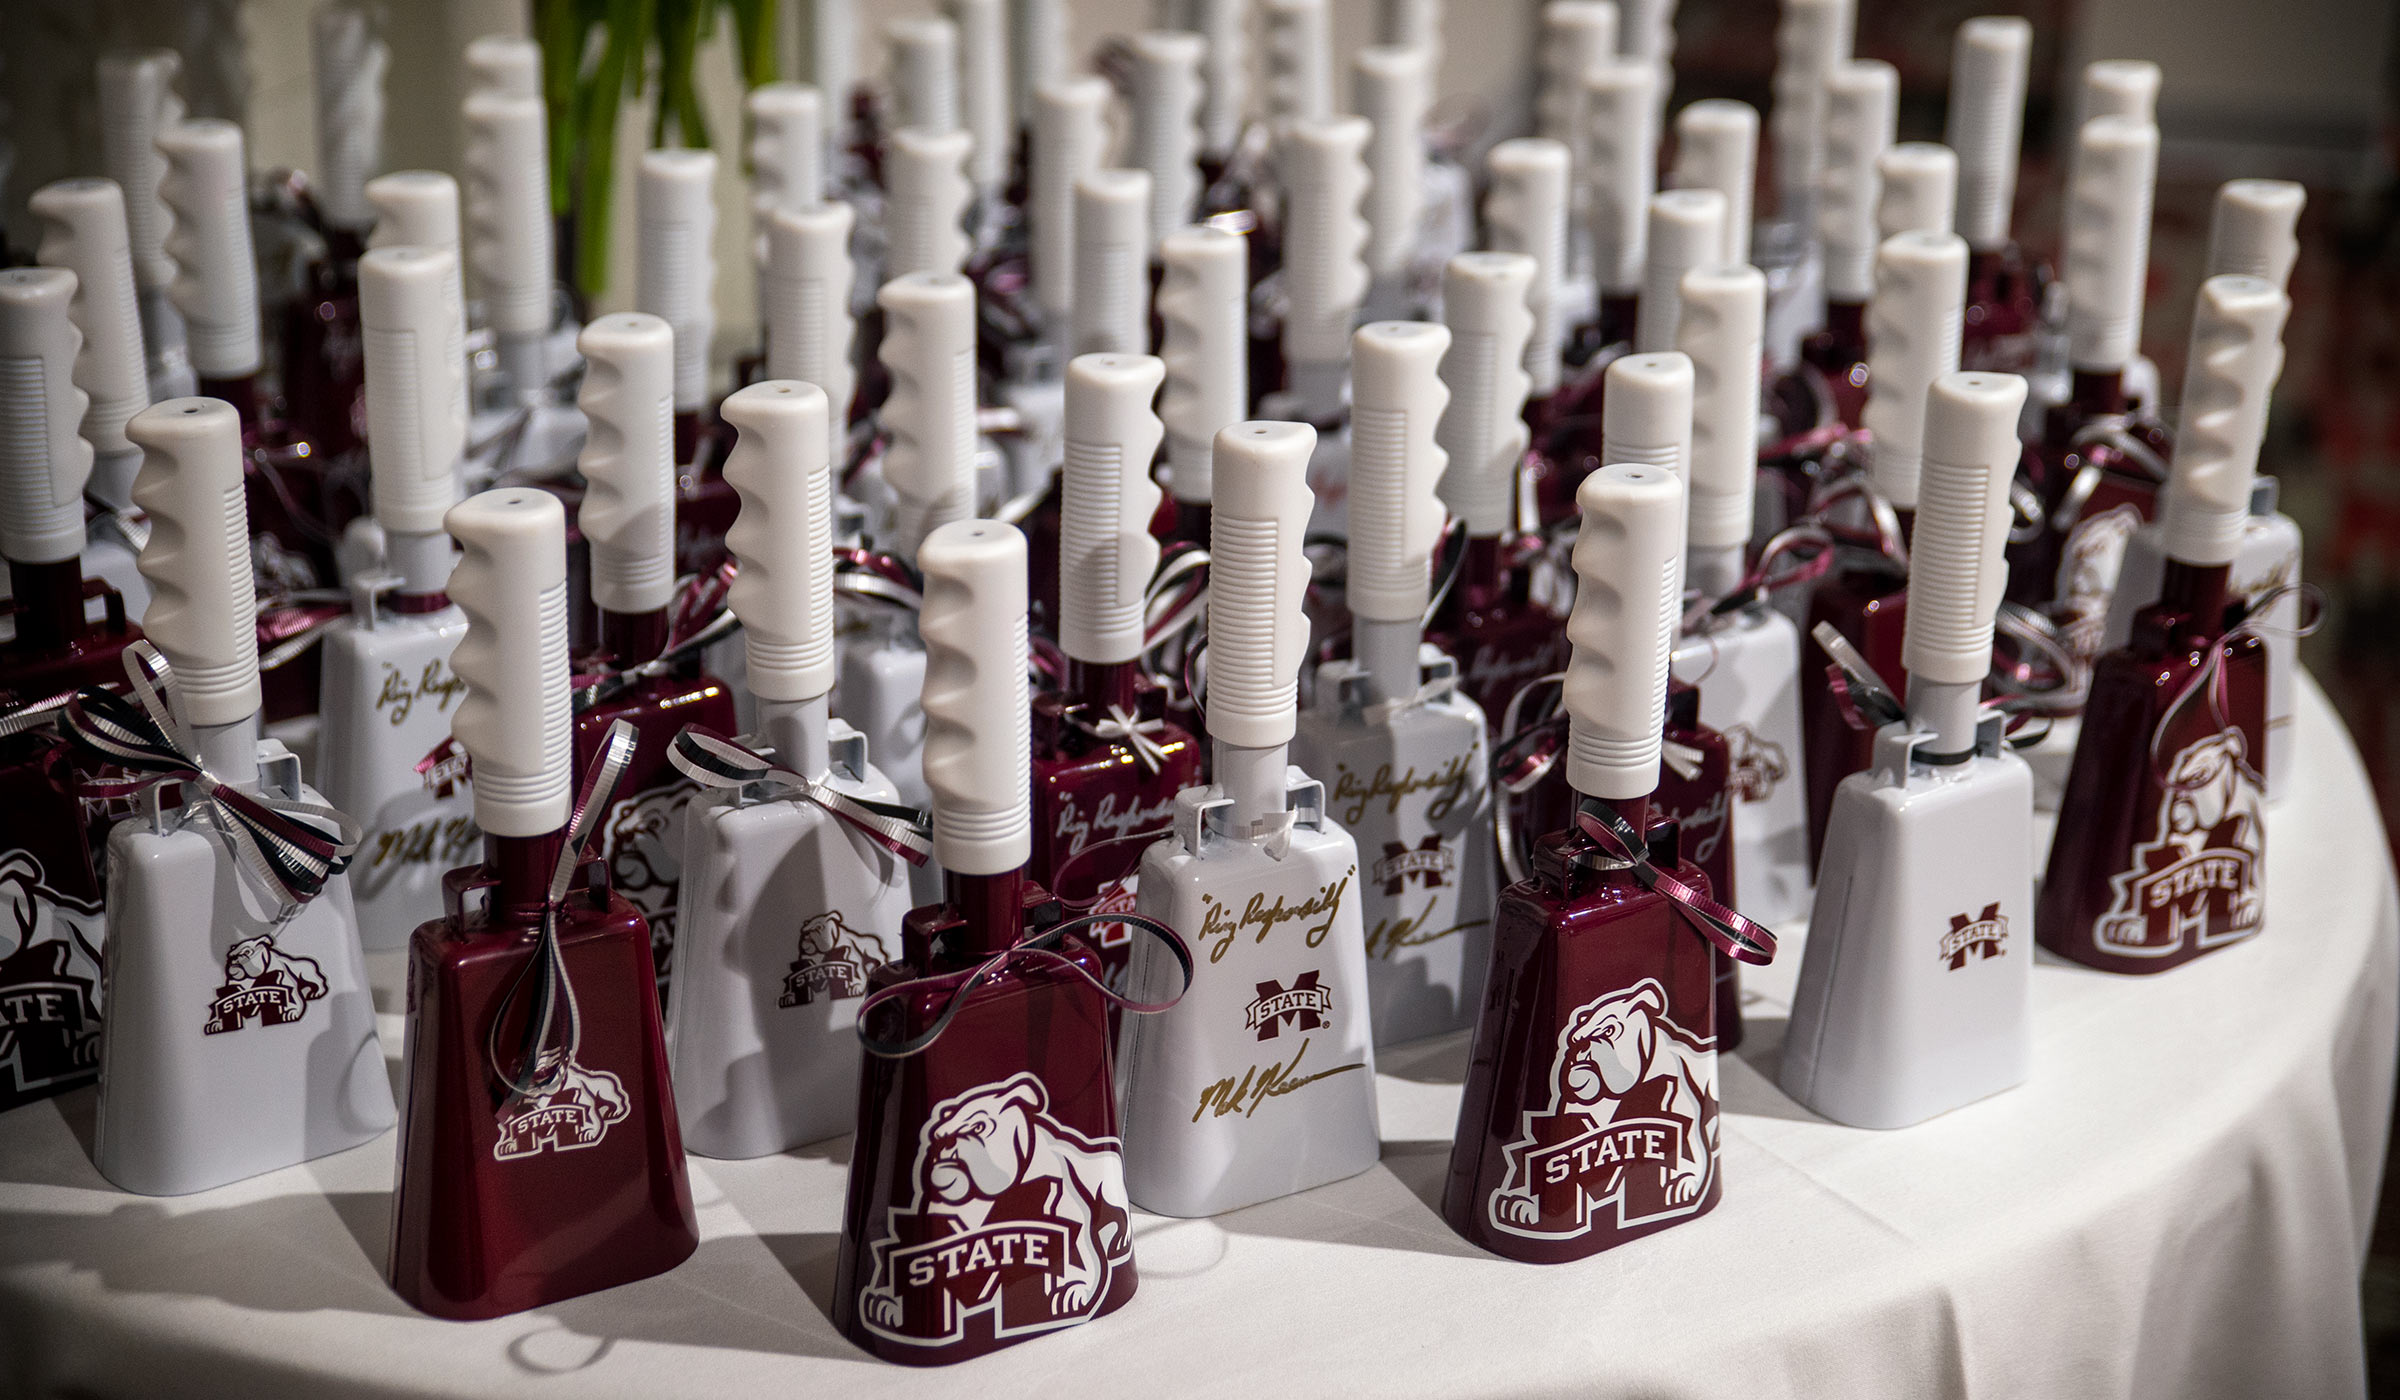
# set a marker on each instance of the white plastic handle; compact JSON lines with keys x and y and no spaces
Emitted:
{"x":1037,"y":52}
{"x":1628,"y":570}
{"x":1112,"y":263}
{"x":925,"y":176}
{"x":1395,"y":90}
{"x":137,"y":102}
{"x":2108,"y":240}
{"x":216,"y":279}
{"x":804,"y":298}
{"x":1413,"y":24}
{"x":2236,"y":356}
{"x":1646,"y":411}
{"x":1724,"y":316}
{"x":1862,"y":108}
{"x":1166,"y":124}
{"x":1988,"y":64}
{"x":1955,"y":572}
{"x":628,"y":460}
{"x":829,"y":48}
{"x":1483,"y":429}
{"x":504,"y":64}
{"x":1224,"y":24}
{"x":1576,"y":37}
{"x":782,"y":538}
{"x":924,"y":73}
{"x":517,"y":722}
{"x":1395,"y":463}
{"x":1620,"y":103}
{"x":1069,"y":133}
{"x":1687,"y":230}
{"x":83,"y":231}
{"x":1812,"y":39}
{"x":978,"y":705}
{"x":1649,"y":33}
{"x":43,"y":462}
{"x":1203,"y":304}
{"x":1299,"y":42}
{"x":1527,"y":213}
{"x":1920,"y":188}
{"x":414,"y":209}
{"x":983,"y":88}
{"x":350,"y":60}
{"x":2254,"y":231}
{"x":416,"y":370}
{"x":203,"y":604}
{"x":1105,"y":550}
{"x":1325,"y":236}
{"x":1913,"y":328}
{"x":929,"y":348}
{"x":1716,"y":148}
{"x":1257,"y":633}
{"x":787,"y":147}
{"x":2119,"y":87}
{"x":508,"y":211}
{"x":675,"y":264}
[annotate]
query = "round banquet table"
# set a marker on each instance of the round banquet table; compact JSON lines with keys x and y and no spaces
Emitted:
{"x":2177,"y":1204}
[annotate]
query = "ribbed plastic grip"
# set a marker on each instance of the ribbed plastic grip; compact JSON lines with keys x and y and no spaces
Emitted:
{"x":2255,"y":229}
{"x":804,"y":298}
{"x":929,"y":348}
{"x":1257,"y":633}
{"x":1526,"y":212}
{"x":1203,"y":304}
{"x":2108,"y":240}
{"x":508,"y":211}
{"x":1324,"y":171}
{"x":1226,"y":67}
{"x":782,"y":538}
{"x":83,"y":231}
{"x":978,"y":705}
{"x":925,"y":174}
{"x":787,"y":147}
{"x":983,"y":88}
{"x":413,"y":209}
{"x":1919,"y":192}
{"x":517,"y":722}
{"x":1988,"y":64}
{"x":505,"y":64}
{"x":1716,"y":148}
{"x":924,"y":73}
{"x":1620,"y":106}
{"x":1412,"y":24}
{"x":1687,"y":230}
{"x":1069,"y":134}
{"x":216,"y":279}
{"x":1112,"y":263}
{"x":2119,"y":87}
{"x":1724,"y":316}
{"x":1395,"y":89}
{"x":1812,"y":38}
{"x":1648,"y":33}
{"x":1396,"y":401}
{"x":1913,"y":327}
{"x":1037,"y":52}
{"x":203,"y":605}
{"x":1299,"y":43}
{"x":44,"y":463}
{"x":1955,"y":572}
{"x":1628,"y":568}
{"x":829,"y":58}
{"x":137,"y":102}
{"x":350,"y":61}
{"x":675,"y":264}
{"x":628,"y":459}
{"x":1105,"y":550}
{"x":1483,"y":429}
{"x":416,"y":368}
{"x":2236,"y":355}
{"x":1862,"y":107}
{"x":1646,"y":411}
{"x":1577,"y":36}
{"x":1165,"y":140}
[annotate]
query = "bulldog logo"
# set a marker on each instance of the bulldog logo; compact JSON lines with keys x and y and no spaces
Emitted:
{"x":1974,"y":935}
{"x":49,"y":983}
{"x":1017,"y":1217}
{"x":1429,"y":860}
{"x":576,"y":1110}
{"x":2094,"y":554}
{"x":833,"y":963}
{"x":264,"y":981}
{"x":642,"y":844}
{"x":2197,"y":878}
{"x":1304,"y":1006}
{"x":1632,"y":1124}
{"x":1758,"y":764}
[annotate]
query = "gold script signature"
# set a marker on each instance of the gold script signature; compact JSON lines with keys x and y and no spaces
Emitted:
{"x":1450,"y":780}
{"x":1219,"y":924}
{"x":1260,"y":1083}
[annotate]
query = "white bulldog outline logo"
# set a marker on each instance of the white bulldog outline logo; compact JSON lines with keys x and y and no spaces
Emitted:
{"x":2197,"y":879}
{"x":1632,"y":1123}
{"x":1016,"y":1215}
{"x":576,"y":1110}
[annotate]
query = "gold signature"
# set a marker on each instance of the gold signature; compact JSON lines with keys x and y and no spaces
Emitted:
{"x":1218,"y":924}
{"x":1259,"y":1084}
{"x":435,"y":683}
{"x":445,"y":840}
{"x":1390,"y":935}
{"x":1450,"y":780}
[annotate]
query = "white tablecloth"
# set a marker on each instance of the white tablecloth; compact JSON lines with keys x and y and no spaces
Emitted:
{"x":2176,"y":1205}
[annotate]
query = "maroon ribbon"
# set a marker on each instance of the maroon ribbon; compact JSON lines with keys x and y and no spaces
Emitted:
{"x":1737,"y":937}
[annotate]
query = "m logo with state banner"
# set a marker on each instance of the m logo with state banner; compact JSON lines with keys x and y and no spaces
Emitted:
{"x":2196,"y":880}
{"x":1975,"y":936}
{"x":1303,"y":1006}
{"x":1428,"y":861}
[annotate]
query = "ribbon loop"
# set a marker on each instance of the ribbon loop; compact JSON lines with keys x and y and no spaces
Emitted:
{"x":1115,"y":726}
{"x":1866,"y":702}
{"x":1736,"y":936}
{"x":1038,"y":949}
{"x":714,"y":761}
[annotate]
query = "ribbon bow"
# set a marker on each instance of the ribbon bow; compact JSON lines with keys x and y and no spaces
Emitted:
{"x":1117,"y":727}
{"x":292,"y":845}
{"x":699,"y":620}
{"x":539,"y":1065}
{"x":1737,"y":937}
{"x":1033,"y":950}
{"x":714,"y":761}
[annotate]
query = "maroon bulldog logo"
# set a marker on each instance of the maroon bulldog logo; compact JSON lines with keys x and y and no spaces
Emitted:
{"x":1974,"y":936}
{"x":265,"y":982}
{"x":833,"y":963}
{"x":1017,"y":1216}
{"x":2197,"y":879}
{"x":1632,"y":1124}
{"x":576,"y":1110}
{"x":49,"y":982}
